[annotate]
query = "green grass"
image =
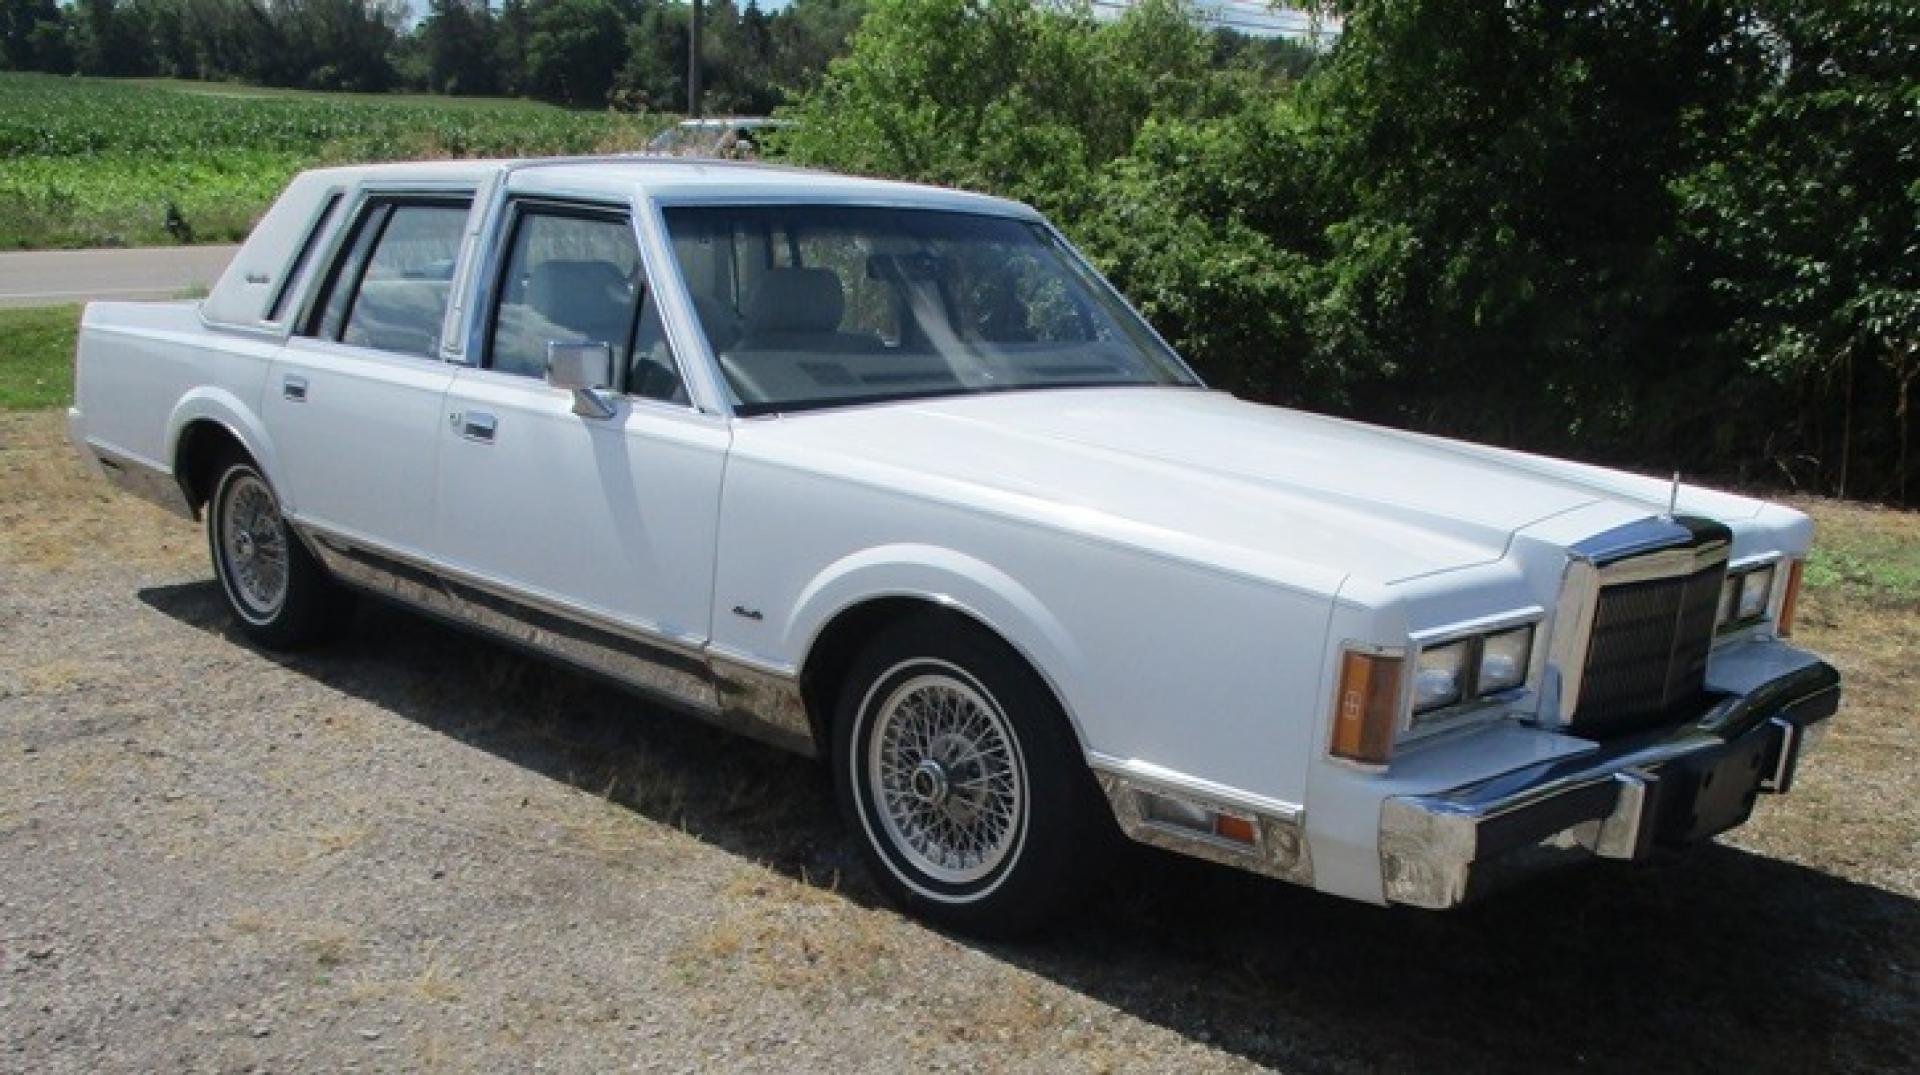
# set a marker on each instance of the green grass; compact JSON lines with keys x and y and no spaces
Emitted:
{"x":36,"y":356}
{"x":110,"y":162}
{"x":1869,"y":554}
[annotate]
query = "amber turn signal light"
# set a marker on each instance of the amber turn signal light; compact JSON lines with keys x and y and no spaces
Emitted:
{"x":1237,"y":829}
{"x":1791,"y":598}
{"x":1365,"y":707}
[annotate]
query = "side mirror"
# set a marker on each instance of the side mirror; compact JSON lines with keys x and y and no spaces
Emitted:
{"x":586,"y":370}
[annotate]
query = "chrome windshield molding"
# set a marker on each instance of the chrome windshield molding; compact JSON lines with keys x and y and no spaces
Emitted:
{"x":1442,"y":849}
{"x":762,"y":702}
{"x":1657,"y":547}
{"x":1280,"y":846}
{"x":140,"y":478}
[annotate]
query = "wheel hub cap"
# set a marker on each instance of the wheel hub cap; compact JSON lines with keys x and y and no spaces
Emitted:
{"x":949,"y":789}
{"x":253,"y":545}
{"x":929,"y":782}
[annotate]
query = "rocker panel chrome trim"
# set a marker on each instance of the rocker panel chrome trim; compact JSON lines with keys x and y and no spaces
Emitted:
{"x":766,"y":701}
{"x":762,"y":703}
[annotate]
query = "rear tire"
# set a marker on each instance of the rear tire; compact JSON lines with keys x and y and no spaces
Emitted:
{"x":960,"y":775}
{"x":278,"y":593}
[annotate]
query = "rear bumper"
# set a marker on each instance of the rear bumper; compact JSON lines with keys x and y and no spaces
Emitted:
{"x":1625,"y":801}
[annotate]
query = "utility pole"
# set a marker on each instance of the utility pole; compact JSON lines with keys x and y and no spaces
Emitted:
{"x":693,"y":62}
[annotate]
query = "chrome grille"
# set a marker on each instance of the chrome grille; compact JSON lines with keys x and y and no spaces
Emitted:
{"x":1648,"y":650}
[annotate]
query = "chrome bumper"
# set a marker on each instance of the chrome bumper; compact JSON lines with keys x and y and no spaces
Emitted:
{"x":1626,"y":801}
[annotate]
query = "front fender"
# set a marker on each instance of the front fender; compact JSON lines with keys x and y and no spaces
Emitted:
{"x":949,"y":578}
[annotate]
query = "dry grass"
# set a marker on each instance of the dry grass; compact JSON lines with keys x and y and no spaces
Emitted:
{"x":56,"y":516}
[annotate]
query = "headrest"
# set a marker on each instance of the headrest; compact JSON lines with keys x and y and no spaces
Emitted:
{"x":577,"y":293}
{"x":796,"y":300}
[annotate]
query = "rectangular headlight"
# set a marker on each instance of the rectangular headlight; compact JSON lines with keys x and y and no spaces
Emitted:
{"x":1755,"y":587}
{"x":1439,"y":679}
{"x":1503,"y":660}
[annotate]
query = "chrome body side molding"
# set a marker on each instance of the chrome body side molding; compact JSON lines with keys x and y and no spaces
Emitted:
{"x":721,"y":688}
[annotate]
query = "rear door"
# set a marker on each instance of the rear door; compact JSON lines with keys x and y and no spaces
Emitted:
{"x":354,"y":400}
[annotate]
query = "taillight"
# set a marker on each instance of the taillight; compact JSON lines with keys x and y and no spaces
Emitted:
{"x":1366,"y":707}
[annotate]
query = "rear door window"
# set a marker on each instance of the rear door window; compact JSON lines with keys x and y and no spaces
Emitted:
{"x":389,"y":286}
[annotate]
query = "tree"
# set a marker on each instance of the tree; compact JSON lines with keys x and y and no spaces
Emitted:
{"x":1807,"y":220}
{"x":110,"y":37}
{"x":457,"y":37}
{"x":33,"y":36}
{"x":575,"y":49}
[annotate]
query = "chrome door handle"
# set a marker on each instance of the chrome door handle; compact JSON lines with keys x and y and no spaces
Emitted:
{"x":478,"y":425}
{"x":294,"y":388}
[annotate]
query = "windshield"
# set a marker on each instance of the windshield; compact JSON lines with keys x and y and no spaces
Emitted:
{"x":686,"y":136}
{"x":815,"y":306}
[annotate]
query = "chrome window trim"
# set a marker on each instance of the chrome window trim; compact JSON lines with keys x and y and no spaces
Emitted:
{"x":297,"y":274}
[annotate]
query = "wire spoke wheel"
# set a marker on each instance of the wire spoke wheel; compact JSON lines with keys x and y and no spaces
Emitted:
{"x":946,"y":777}
{"x":253,"y":546}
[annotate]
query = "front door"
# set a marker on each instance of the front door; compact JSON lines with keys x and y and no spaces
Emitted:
{"x":598,"y":533}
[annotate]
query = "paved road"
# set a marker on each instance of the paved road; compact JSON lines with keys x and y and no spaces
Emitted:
{"x":50,"y":277}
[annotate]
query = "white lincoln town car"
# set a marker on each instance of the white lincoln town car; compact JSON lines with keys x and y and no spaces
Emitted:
{"x":888,"y":475}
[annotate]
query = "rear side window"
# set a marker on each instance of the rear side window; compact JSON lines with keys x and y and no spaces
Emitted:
{"x":389,"y":286}
{"x":291,"y":284}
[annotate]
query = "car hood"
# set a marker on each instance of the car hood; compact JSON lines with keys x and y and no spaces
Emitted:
{"x":1201,"y":475}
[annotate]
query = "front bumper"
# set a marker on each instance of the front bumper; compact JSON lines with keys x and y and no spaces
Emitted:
{"x":1627,"y":800}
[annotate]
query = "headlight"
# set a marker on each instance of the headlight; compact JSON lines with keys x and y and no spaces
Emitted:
{"x":1468,"y":668}
{"x":1744,"y":596}
{"x":1438,"y":681}
{"x":1503,"y":660}
{"x":1754,"y":588}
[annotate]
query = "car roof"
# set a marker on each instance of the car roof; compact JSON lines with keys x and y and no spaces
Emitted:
{"x":680,"y":180}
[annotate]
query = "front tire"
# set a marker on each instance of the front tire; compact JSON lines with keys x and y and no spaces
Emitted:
{"x":960,"y":775}
{"x":279,"y":594}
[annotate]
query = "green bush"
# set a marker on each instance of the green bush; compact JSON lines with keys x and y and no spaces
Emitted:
{"x":1657,"y":235}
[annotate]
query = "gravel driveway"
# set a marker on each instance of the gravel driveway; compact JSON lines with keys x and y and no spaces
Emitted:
{"x":419,"y":851}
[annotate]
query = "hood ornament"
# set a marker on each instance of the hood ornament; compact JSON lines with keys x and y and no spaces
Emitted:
{"x":1673,"y":495}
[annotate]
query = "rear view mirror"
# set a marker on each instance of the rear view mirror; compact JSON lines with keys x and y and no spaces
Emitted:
{"x":586,"y":370}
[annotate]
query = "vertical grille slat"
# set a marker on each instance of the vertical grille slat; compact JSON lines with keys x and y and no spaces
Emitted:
{"x":1649,"y":647}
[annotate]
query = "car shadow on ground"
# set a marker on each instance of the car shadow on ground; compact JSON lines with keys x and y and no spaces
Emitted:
{"x":1721,"y":959}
